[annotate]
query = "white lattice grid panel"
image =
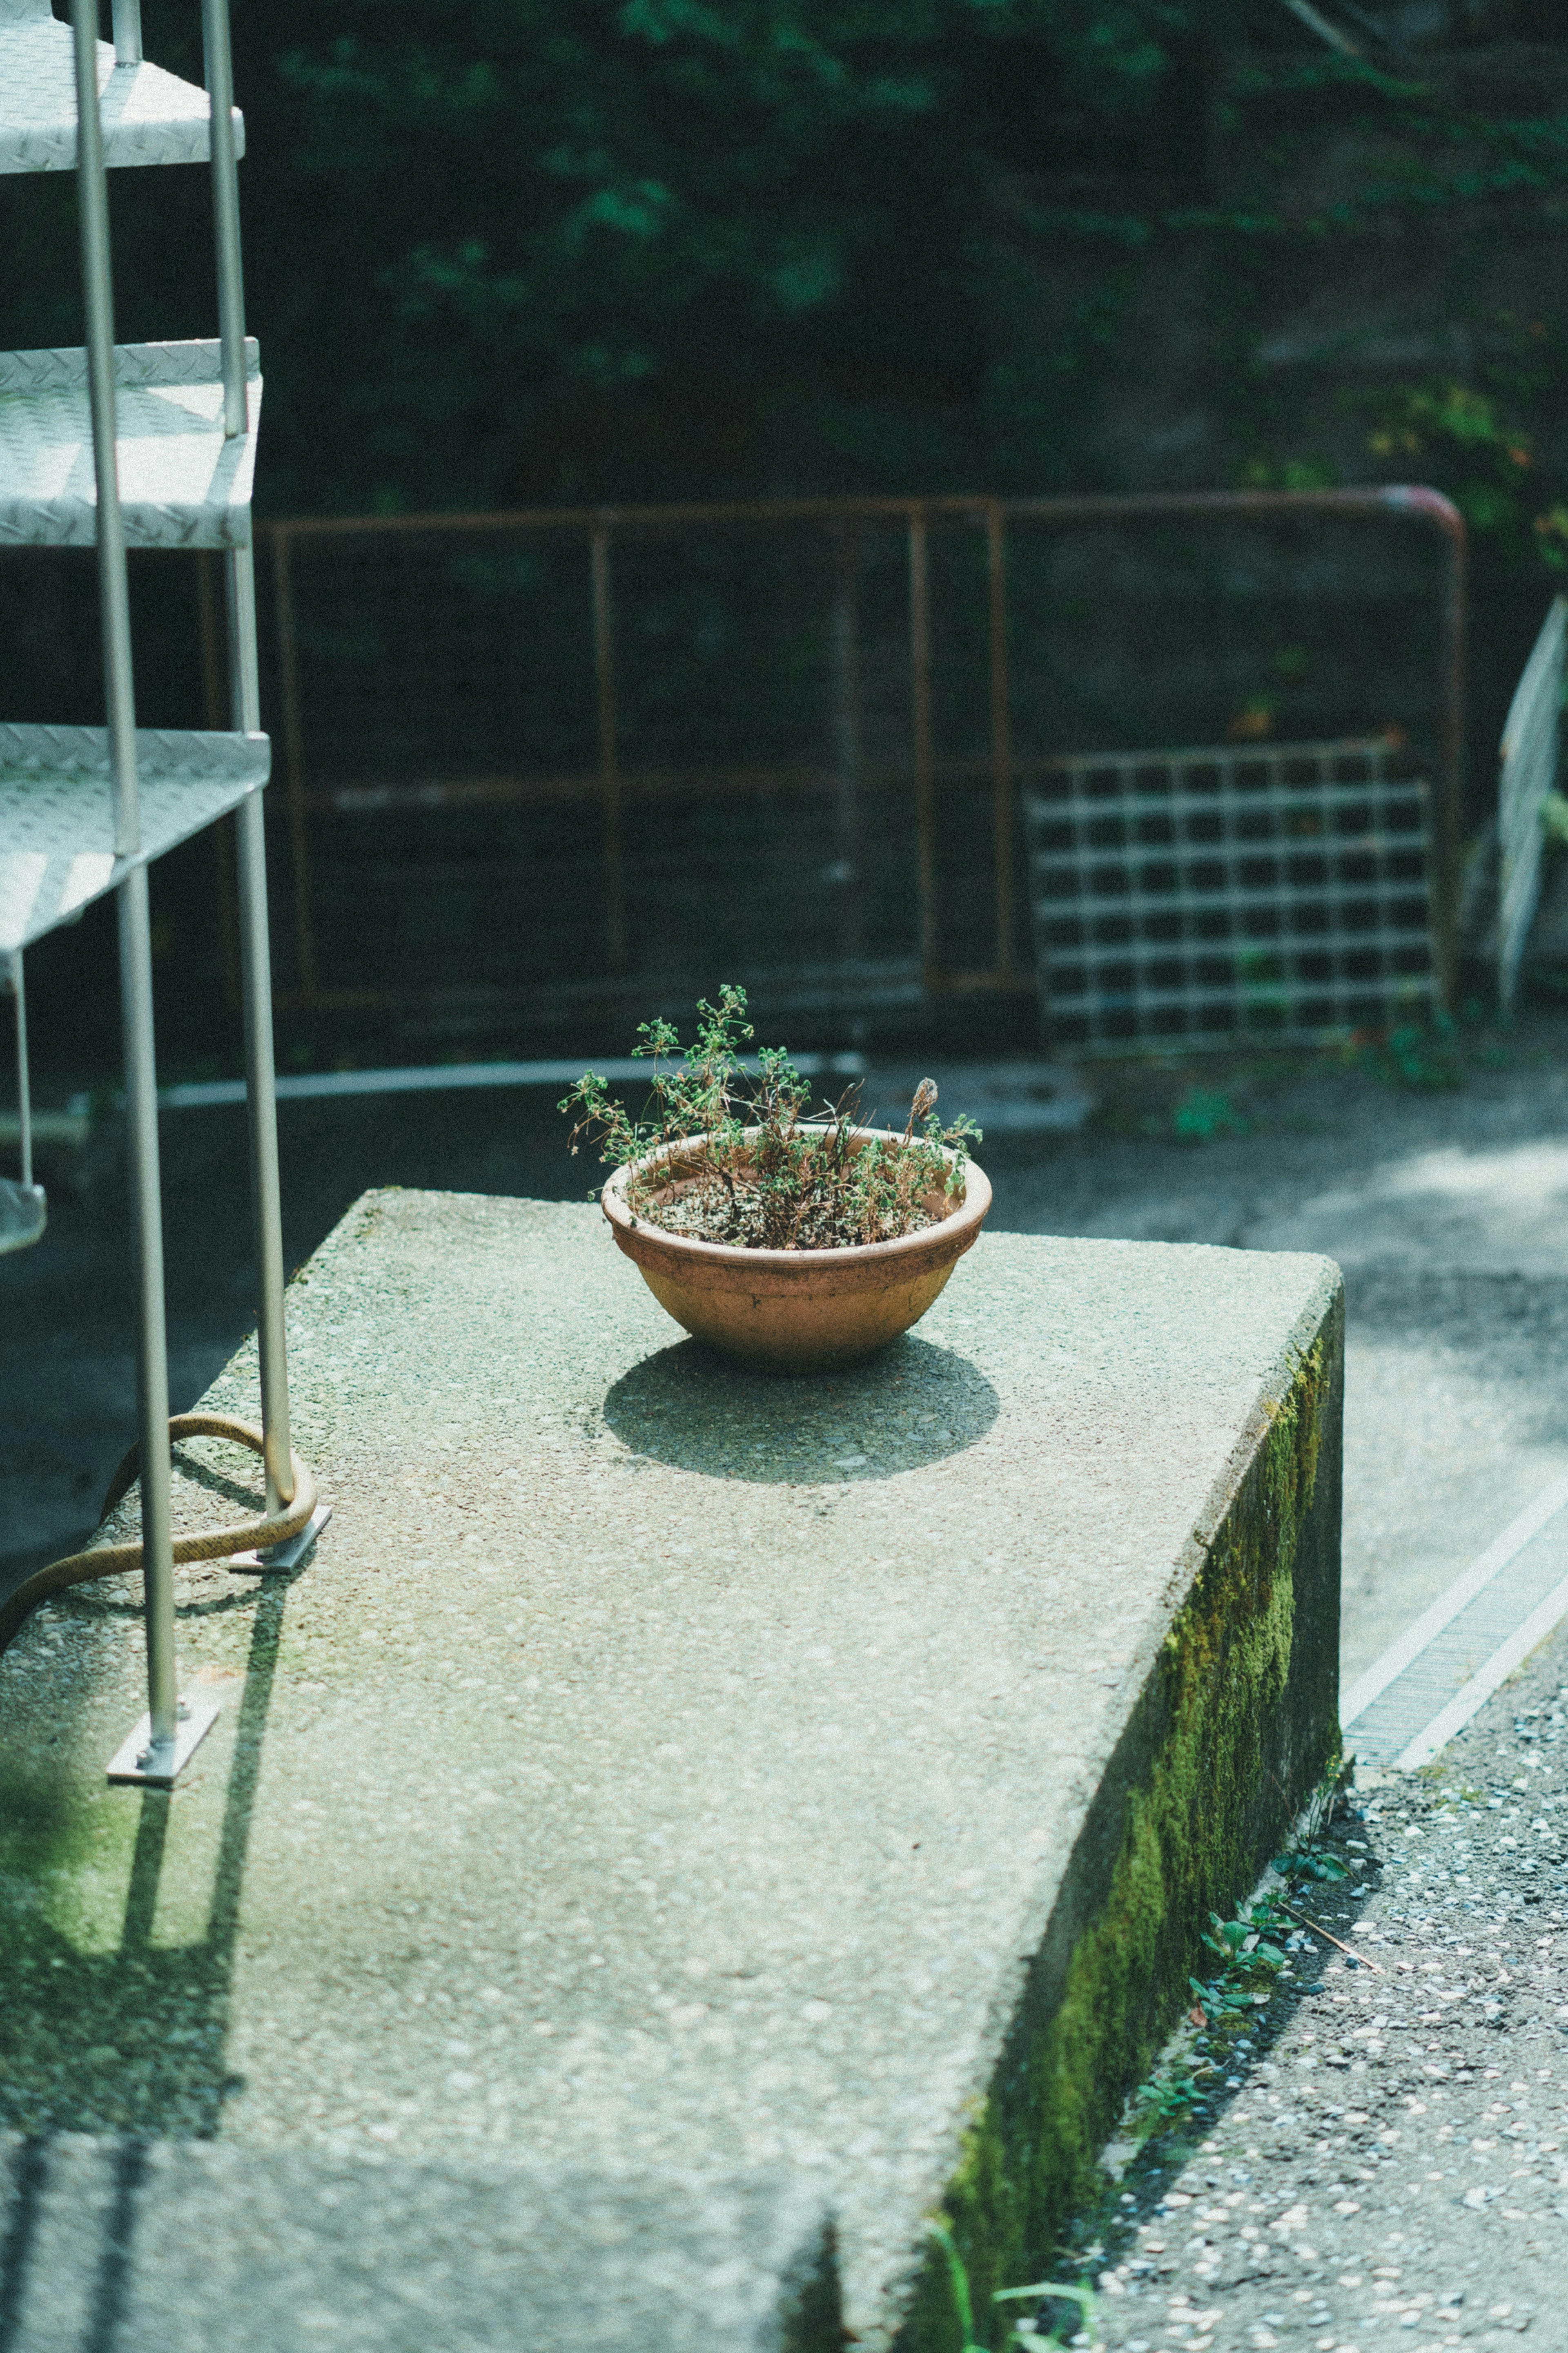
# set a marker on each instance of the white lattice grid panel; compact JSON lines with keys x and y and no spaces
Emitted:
{"x":182,"y":483}
{"x":1206,"y":896}
{"x":56,"y":812}
{"x":149,"y":116}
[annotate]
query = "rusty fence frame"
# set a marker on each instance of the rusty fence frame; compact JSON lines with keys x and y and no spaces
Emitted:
{"x":609,"y":782}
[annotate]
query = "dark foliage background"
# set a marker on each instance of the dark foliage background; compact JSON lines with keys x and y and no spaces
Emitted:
{"x":502,"y":251}
{"x":508,"y":252}
{"x":505,"y":249}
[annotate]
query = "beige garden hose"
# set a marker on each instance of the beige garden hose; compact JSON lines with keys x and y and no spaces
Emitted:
{"x":205,"y":1544}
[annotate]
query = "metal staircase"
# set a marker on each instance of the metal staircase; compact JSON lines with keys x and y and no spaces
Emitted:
{"x":143,"y":445}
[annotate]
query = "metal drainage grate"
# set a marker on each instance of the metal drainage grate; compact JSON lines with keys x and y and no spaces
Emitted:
{"x":1210,"y":895}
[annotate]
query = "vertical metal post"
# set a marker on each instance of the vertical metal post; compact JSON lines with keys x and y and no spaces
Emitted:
{"x":23,"y":1082}
{"x":152,"y":1351}
{"x":1452,"y":747}
{"x":925,"y":795}
{"x":294,"y":753}
{"x":845,"y":644}
{"x":609,"y":767}
{"x":1000,"y":734}
{"x":215,"y":706}
{"x":135,"y":930}
{"x":260,"y":1072}
{"x":215,"y":688}
{"x":1435,"y":508}
{"x":219,"y":61}
{"x":98,"y":286}
{"x":127,"y":32}
{"x":250,"y":835}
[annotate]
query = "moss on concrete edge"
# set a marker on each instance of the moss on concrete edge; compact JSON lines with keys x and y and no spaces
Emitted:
{"x":1234,"y":1728}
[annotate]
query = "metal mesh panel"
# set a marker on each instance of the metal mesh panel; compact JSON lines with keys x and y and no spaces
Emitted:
{"x":1212,"y":895}
{"x":564,"y":763}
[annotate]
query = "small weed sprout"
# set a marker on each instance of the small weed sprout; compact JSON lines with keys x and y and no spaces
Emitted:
{"x":721,"y":1155}
{"x":1025,"y":2332}
{"x":1253,"y":1948}
{"x":1204,"y":1113}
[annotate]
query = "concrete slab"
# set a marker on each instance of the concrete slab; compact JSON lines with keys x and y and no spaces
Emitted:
{"x":173,"y":2247}
{"x":668,"y":1767}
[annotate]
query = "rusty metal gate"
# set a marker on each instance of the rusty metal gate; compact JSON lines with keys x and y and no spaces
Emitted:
{"x":552,"y":765}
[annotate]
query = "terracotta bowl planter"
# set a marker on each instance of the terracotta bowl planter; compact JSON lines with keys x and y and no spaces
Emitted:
{"x":796,"y":1311}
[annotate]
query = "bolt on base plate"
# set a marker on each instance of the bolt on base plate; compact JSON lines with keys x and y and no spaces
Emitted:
{"x":136,"y":1759}
{"x":285,"y":1556}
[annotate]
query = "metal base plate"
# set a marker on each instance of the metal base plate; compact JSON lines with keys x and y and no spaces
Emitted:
{"x":137,"y":1760}
{"x":285,"y":1556}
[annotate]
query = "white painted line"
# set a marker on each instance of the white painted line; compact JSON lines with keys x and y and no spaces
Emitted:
{"x":1463,"y":1590}
{"x":1474,"y":1694}
{"x":306,"y":1086}
{"x":432,"y":1078}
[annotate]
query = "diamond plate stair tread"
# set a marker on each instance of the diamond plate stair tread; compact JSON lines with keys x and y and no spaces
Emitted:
{"x":279,"y":2249}
{"x":56,"y":816}
{"x":149,"y":116}
{"x":182,"y":483}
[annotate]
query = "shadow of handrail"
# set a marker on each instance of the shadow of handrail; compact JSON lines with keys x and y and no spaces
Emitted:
{"x":131,"y":2044}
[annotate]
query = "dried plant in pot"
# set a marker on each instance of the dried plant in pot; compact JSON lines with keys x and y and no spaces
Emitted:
{"x":791,"y":1239}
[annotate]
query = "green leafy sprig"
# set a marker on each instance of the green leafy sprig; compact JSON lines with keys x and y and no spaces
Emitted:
{"x":725,"y":1154}
{"x":1026,"y":2330}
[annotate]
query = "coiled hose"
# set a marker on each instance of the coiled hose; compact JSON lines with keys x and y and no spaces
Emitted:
{"x":205,"y":1543}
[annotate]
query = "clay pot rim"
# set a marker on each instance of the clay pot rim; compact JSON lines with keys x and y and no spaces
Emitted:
{"x":962,"y":1223}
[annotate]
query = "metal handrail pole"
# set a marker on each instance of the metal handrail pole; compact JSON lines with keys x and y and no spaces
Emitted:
{"x":135,"y":928}
{"x":152,"y":1348}
{"x":24,"y":1083}
{"x":715,"y":512}
{"x":1432,"y":507}
{"x":1001,"y":732}
{"x":260,"y":1068}
{"x":294,"y":761}
{"x":609,"y":762}
{"x":844,"y":643}
{"x":920,"y":728}
{"x":127,"y":32}
{"x":98,"y":286}
{"x":218,"y":56}
{"x":250,"y":832}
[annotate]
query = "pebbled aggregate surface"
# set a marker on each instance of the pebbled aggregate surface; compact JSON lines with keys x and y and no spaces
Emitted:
{"x":655,"y":1764}
{"x":1383,"y":2159}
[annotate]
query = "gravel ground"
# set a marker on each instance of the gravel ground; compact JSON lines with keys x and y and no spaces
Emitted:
{"x":1383,"y":2160}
